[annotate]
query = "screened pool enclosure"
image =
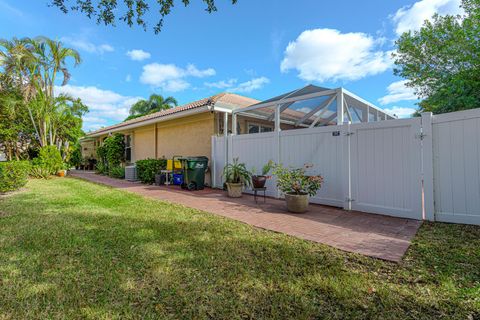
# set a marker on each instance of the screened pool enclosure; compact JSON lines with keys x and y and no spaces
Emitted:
{"x":308,"y":107}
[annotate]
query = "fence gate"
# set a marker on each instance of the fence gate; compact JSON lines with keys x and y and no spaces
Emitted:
{"x":385,"y":167}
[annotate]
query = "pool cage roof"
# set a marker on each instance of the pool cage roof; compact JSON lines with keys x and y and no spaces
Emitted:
{"x":314,"y":106}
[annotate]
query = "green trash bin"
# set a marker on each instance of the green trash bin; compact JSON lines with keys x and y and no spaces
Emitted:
{"x":194,"y":172}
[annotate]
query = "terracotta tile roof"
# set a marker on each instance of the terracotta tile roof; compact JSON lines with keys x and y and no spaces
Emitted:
{"x":225,"y":98}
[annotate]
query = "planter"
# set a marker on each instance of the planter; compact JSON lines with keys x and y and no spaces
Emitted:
{"x":234,"y":189}
{"x":259,"y":181}
{"x":297,"y":203}
{"x":62,"y":173}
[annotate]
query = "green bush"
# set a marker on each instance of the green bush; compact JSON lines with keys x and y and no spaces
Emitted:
{"x":117,"y":172}
{"x":102,"y":156}
{"x":38,"y":171}
{"x":101,"y":168}
{"x":115,"y":150}
{"x":76,"y":157}
{"x":148,"y":168}
{"x":50,"y":159}
{"x":13,"y":175}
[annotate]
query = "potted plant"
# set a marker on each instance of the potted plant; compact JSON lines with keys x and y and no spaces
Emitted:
{"x":297,"y":186}
{"x":258,"y":181}
{"x":62,"y":173}
{"x":236,"y":177}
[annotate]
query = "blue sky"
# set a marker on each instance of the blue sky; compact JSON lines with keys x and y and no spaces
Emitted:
{"x":255,"y":48}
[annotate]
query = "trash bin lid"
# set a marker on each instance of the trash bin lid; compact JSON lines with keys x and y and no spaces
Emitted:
{"x":198,"y":158}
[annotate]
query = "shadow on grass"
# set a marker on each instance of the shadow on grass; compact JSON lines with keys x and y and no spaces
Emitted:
{"x":89,"y":251}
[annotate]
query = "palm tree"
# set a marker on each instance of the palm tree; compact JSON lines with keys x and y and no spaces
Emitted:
{"x":32,"y":65}
{"x":154,"y":103}
{"x":53,"y":56}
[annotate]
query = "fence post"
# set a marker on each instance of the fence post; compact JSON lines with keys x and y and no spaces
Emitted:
{"x":346,"y":165}
{"x":278,"y":154}
{"x":213,"y":164}
{"x":427,"y":167}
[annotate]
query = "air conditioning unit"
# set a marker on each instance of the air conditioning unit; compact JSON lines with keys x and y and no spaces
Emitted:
{"x":131,"y":173}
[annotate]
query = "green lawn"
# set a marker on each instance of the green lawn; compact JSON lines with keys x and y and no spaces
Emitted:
{"x":72,"y":249}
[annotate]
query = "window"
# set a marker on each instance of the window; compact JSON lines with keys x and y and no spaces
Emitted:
{"x":128,"y":148}
{"x":256,"y":128}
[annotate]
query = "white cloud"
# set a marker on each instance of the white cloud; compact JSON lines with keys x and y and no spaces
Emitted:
{"x":327,"y":54}
{"x":250,"y":85}
{"x":138,"y":54}
{"x":175,"y":85}
{"x":412,"y":17}
{"x":223,"y":84}
{"x":401,"y":112}
{"x":397,"y":91}
{"x":194,"y":72}
{"x":82,"y":44}
{"x":232,"y":86}
{"x":128,"y":78}
{"x":106,"y":107}
{"x":171,"y":78}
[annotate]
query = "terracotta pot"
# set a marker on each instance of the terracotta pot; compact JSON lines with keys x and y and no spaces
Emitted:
{"x":234,"y":189}
{"x":259,"y":181}
{"x":297,"y":203}
{"x":62,"y":173}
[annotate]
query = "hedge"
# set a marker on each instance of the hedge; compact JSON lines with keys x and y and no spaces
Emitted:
{"x":148,"y":168}
{"x":13,"y":175}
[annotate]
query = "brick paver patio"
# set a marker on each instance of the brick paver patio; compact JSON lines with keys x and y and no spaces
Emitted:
{"x":369,"y":234}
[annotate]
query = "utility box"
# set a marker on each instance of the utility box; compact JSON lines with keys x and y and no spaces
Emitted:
{"x":131,"y":173}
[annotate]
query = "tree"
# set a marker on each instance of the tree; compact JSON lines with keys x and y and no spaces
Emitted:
{"x":131,"y":12}
{"x":154,"y":103}
{"x":31,"y":67}
{"x":441,"y":61}
{"x":15,"y":126}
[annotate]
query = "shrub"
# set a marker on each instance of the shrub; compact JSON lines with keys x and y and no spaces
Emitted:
{"x":148,"y":168}
{"x":101,"y":168}
{"x":39,"y":172}
{"x":117,"y":172}
{"x":115,"y":149}
{"x":76,"y":157}
{"x":102,"y":155}
{"x":13,"y":175}
{"x":50,"y":159}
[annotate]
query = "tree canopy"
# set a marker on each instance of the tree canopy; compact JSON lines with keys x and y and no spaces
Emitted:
{"x":30,"y":110}
{"x":441,"y":61}
{"x":154,"y":103}
{"x":130,"y":12}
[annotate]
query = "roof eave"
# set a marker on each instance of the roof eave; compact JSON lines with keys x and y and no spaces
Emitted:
{"x":150,"y":121}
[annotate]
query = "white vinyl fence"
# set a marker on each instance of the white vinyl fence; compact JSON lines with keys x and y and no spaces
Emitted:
{"x":420,"y":168}
{"x":385,"y":164}
{"x":456,"y":166}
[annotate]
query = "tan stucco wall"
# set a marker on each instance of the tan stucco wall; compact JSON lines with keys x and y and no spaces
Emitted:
{"x":188,"y":136}
{"x":144,"y":143}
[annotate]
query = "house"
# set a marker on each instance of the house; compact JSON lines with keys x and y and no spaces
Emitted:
{"x":184,"y":130}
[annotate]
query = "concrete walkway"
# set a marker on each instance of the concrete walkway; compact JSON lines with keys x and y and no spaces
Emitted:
{"x":369,"y":234}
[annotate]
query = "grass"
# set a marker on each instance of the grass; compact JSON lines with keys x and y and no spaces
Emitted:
{"x":70,"y":249}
